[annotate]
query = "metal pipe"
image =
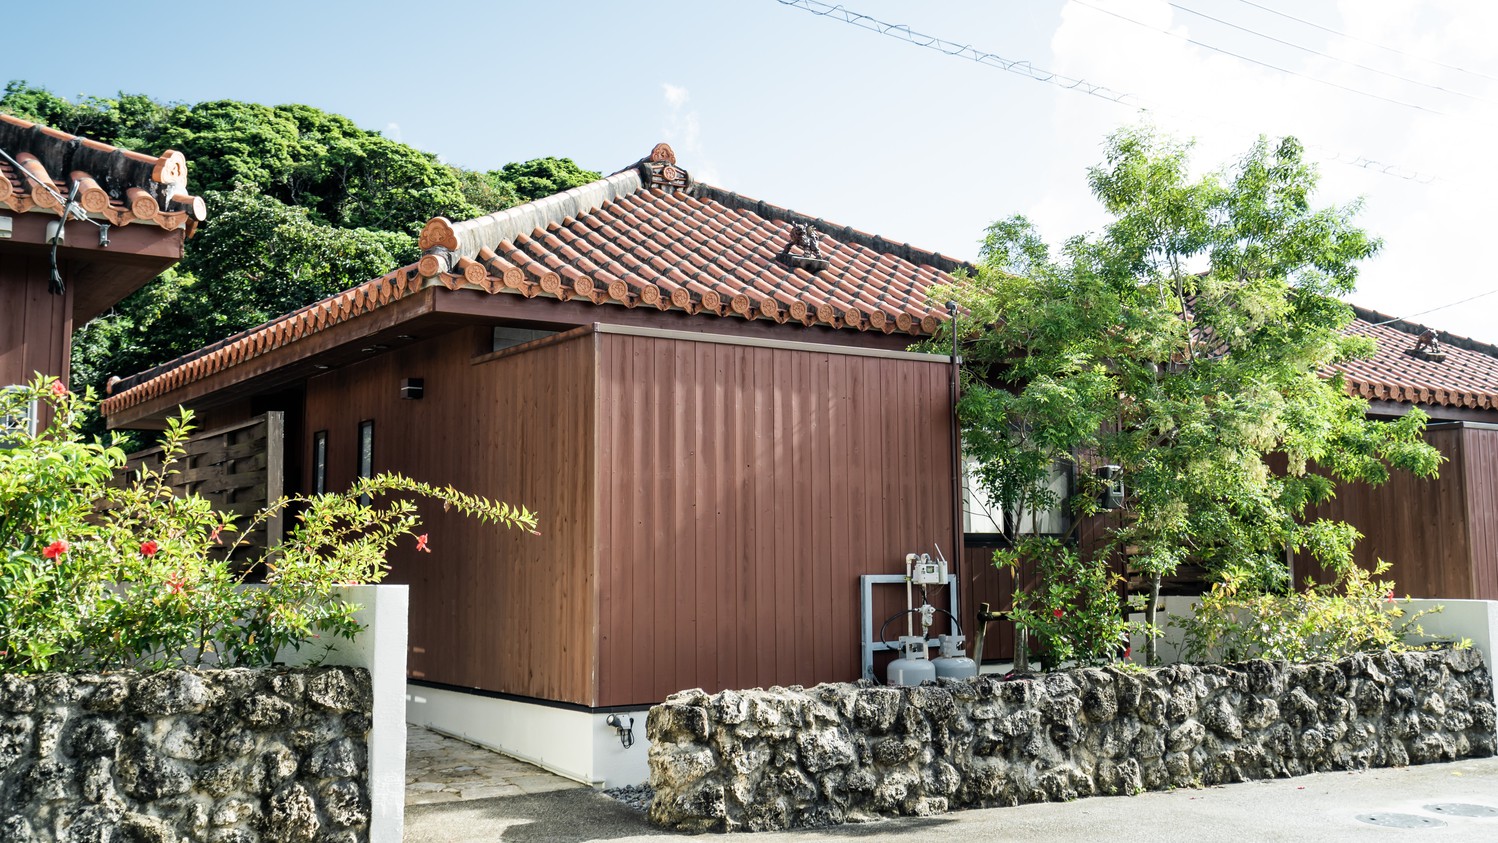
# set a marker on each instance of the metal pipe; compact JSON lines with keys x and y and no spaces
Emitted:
{"x":956,"y":455}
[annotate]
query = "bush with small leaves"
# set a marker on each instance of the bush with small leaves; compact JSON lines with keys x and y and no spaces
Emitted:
{"x":97,"y":575}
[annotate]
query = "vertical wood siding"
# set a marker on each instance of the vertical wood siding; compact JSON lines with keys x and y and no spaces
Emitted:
{"x":1480,"y":449}
{"x":1419,"y":526}
{"x":491,"y":608}
{"x":35,"y":326}
{"x":994,"y":586}
{"x":742,"y":492}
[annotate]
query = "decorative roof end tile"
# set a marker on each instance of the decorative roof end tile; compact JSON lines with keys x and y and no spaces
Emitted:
{"x":659,"y":170}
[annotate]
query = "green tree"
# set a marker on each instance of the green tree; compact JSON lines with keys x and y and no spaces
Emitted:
{"x":1187,"y":344}
{"x":301,"y":203}
{"x":540,"y":177}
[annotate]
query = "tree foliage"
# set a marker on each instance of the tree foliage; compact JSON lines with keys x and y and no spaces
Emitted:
{"x":301,"y":204}
{"x":1186,"y":343}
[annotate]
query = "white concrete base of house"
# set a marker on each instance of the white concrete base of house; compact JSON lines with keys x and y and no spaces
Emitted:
{"x":579,"y":745}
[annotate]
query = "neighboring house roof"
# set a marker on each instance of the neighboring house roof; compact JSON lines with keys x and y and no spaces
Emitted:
{"x":115,"y":185}
{"x":1460,"y":373}
{"x":647,"y":237}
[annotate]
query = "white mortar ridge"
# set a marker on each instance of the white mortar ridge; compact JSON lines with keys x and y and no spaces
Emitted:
{"x":502,"y":226}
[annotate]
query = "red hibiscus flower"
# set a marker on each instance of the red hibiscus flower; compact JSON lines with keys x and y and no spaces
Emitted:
{"x":55,"y":549}
{"x":59,"y":389}
{"x":1058,"y":614}
{"x":421,"y":543}
{"x":149,"y":547}
{"x":175,"y":583}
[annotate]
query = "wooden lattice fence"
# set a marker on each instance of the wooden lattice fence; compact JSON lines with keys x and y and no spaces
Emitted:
{"x":240,"y":468}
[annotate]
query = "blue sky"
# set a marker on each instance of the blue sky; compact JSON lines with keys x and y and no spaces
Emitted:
{"x":863,"y":129}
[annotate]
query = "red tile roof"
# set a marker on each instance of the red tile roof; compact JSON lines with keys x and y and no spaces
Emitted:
{"x":647,"y":236}
{"x":115,"y":185}
{"x":1466,"y":378}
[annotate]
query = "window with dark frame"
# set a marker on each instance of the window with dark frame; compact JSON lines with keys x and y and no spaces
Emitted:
{"x":980,"y":517}
{"x":366,"y":454}
{"x":320,"y":462}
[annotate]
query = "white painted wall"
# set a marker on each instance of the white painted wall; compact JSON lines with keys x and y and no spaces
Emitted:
{"x":380,"y":649}
{"x":1473,"y":619}
{"x":1459,"y":619}
{"x":577,"y":744}
{"x":1168,"y":646}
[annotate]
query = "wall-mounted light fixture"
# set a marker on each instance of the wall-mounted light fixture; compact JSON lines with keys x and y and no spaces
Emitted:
{"x":624,"y":727}
{"x":413,"y":388}
{"x":1113,"y":486}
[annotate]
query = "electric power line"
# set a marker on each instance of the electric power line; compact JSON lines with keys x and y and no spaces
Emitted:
{"x":1348,"y":62}
{"x":1189,"y":40}
{"x":1365,"y":40}
{"x":1029,"y":71}
{"x":1434,"y":309}
{"x":1019,"y":67}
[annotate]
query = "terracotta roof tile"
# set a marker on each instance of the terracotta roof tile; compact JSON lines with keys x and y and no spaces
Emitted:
{"x":1466,"y":377}
{"x":114,"y":185}
{"x":624,"y":241}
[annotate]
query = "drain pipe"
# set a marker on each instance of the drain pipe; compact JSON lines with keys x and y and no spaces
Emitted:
{"x":956,"y":458}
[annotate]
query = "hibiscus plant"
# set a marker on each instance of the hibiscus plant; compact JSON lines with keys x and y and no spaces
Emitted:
{"x":100,"y":569}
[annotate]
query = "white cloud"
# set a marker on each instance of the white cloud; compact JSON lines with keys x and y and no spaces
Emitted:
{"x":676,"y":95}
{"x":1434,"y":233}
{"x":683,"y":130}
{"x":392,"y":131}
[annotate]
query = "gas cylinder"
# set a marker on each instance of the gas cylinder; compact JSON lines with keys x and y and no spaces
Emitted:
{"x":953,"y":663}
{"x":914,"y":664}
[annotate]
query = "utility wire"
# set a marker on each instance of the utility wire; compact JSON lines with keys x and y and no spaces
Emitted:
{"x":1029,"y":71}
{"x":1349,"y":62}
{"x":1019,"y":67}
{"x":1189,"y":40}
{"x":1393,"y":50}
{"x":1434,"y":309}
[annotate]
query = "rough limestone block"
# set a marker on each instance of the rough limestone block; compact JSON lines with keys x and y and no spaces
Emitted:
{"x":772,"y":759}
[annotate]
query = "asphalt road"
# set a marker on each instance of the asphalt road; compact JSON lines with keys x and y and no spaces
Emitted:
{"x":1323,"y":808}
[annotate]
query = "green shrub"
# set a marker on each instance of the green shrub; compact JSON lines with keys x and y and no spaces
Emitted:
{"x":1074,"y":613}
{"x":95,"y":576}
{"x":1357,"y":613}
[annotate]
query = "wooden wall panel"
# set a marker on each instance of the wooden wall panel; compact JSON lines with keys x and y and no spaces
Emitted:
{"x":493,"y":609}
{"x":994,"y":586}
{"x":743,"y":490}
{"x":1480,"y":452}
{"x":36,"y":327}
{"x":1419,"y":526}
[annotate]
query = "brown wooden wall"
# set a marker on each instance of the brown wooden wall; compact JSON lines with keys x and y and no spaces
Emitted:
{"x":491,"y":608}
{"x":1480,"y":450}
{"x":994,"y":586}
{"x":35,"y":326}
{"x":743,"y":490}
{"x":1419,"y":526}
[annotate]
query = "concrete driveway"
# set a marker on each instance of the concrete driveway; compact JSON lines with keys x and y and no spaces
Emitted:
{"x":1323,"y":808}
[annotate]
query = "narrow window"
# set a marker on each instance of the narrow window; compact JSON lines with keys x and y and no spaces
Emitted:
{"x":320,"y":462}
{"x":18,"y":419}
{"x":506,"y":337}
{"x":366,"y":454}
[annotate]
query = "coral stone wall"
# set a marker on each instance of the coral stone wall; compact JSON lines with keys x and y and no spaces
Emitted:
{"x":228,"y":756}
{"x":787,"y":757}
